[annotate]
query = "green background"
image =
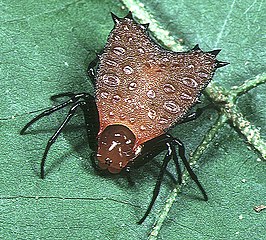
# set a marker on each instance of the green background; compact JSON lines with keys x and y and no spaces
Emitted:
{"x":46,"y":47}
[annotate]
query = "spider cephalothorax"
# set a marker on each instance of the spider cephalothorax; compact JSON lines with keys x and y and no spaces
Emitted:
{"x":142,"y":90}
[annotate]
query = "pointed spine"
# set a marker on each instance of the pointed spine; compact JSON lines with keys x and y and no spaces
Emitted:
{"x":220,"y":64}
{"x":215,"y":52}
{"x":115,"y":18}
{"x":145,"y":26}
{"x":196,"y":48}
{"x":129,"y":15}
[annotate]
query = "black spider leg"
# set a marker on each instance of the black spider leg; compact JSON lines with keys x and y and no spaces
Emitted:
{"x":87,"y":105}
{"x":150,"y":150}
{"x":58,"y":131}
{"x":181,"y":152}
{"x":90,"y":114}
{"x":91,"y":118}
{"x":177,"y":165}
{"x":194,"y":115}
{"x":51,"y":110}
{"x":156,"y":190}
{"x":153,"y":148}
{"x":91,"y":68}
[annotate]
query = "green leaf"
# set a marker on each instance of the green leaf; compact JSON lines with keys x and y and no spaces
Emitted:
{"x":46,"y":47}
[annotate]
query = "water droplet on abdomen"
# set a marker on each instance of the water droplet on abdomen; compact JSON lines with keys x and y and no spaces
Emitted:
{"x":119,"y":50}
{"x":111,"y":80}
{"x":111,"y":62}
{"x":185,"y":96}
{"x":168,"y":88}
{"x":116,"y":98}
{"x":171,"y":107}
{"x":151,"y":94}
{"x":141,"y":50}
{"x":163,"y":121}
{"x":152,"y":114}
{"x":203,"y":75}
{"x":190,"y":82}
{"x":132,"y":86}
{"x":128,"y":70}
{"x":104,"y":95}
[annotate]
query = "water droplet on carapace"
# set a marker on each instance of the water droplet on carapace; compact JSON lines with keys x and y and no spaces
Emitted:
{"x":151,"y":94}
{"x":203,"y":74}
{"x":171,"y":107}
{"x":111,"y":80}
{"x":163,"y":121}
{"x":132,"y":86}
{"x":141,"y":50}
{"x":104,"y":95}
{"x":185,"y":96}
{"x":119,"y":50}
{"x":116,"y":98}
{"x":111,"y":62}
{"x":152,"y":114}
{"x":128,"y":70}
{"x":190,"y":82}
{"x":142,"y":127}
{"x":169,"y":88}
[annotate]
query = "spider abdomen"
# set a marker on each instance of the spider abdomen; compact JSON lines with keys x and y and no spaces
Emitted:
{"x":144,"y":87}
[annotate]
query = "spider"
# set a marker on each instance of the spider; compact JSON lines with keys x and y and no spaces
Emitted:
{"x":141,"y":91}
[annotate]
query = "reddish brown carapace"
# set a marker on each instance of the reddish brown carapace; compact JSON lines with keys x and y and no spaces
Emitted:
{"x":145,"y":88}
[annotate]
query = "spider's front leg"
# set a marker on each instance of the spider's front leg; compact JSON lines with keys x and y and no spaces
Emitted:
{"x":155,"y":146}
{"x":82,"y":100}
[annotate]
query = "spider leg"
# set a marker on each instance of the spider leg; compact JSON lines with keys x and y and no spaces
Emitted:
{"x":156,"y":190}
{"x":181,"y":151}
{"x":169,"y":174}
{"x":94,"y":164}
{"x":194,"y":115}
{"x":91,"y":71}
{"x":177,"y":165}
{"x":151,"y":149}
{"x":60,"y":95}
{"x":45,"y":113}
{"x":90,"y":114}
{"x":128,"y":176}
{"x":74,"y":98}
{"x":71,"y":95}
{"x":58,"y":131}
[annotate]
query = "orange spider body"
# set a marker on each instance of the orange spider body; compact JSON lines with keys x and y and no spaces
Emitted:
{"x":142,"y":90}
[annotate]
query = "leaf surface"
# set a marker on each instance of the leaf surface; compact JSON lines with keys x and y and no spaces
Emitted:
{"x":46,"y":47}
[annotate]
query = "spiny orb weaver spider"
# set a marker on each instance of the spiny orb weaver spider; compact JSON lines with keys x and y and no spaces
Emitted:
{"x":141,"y":90}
